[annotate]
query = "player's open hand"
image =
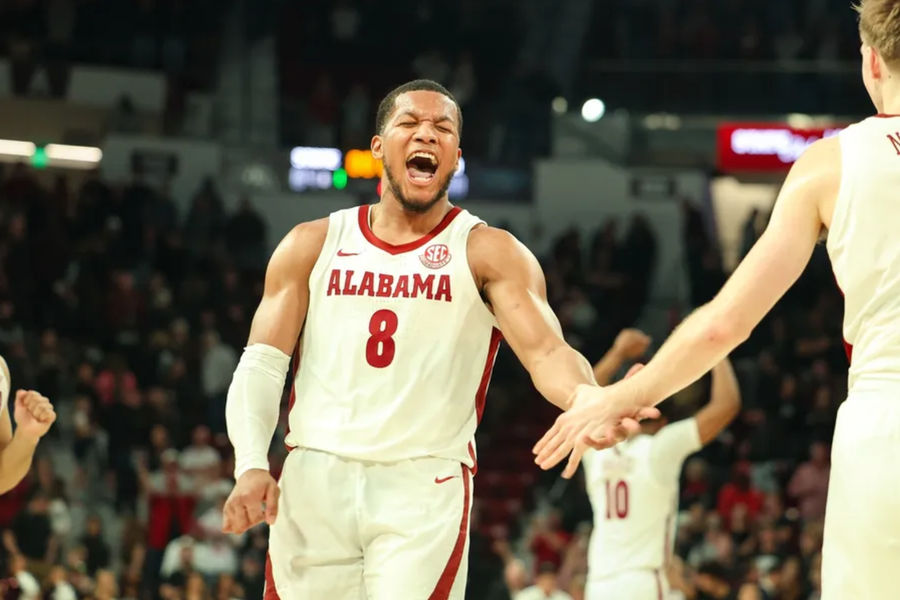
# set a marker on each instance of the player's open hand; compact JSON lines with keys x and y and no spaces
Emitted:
{"x":597,"y":418}
{"x":34,"y":414}
{"x":253,"y":500}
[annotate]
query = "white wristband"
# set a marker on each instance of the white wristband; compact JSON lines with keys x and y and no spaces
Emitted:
{"x":254,"y":399}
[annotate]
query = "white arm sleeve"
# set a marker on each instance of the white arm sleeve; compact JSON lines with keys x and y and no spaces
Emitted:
{"x":671,"y":445}
{"x":254,"y":399}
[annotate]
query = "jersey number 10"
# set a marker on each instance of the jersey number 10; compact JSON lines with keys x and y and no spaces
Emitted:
{"x":616,"y":500}
{"x":380,"y":348}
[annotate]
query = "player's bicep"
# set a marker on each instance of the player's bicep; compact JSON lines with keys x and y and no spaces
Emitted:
{"x":282,"y":310}
{"x":517,"y":293}
{"x":780,"y":255}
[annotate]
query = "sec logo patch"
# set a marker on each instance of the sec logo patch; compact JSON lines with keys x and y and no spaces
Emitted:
{"x":435,"y":256}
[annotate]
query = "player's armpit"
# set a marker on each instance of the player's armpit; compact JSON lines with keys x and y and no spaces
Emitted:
{"x":282,"y":310}
{"x":511,"y":280}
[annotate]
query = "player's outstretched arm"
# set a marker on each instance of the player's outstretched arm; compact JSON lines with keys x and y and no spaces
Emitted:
{"x":254,"y":397}
{"x":724,"y":403}
{"x":714,"y":330}
{"x":512,"y":282}
{"x":630,"y":344}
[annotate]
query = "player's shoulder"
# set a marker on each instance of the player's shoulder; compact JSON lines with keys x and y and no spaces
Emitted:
{"x":495,"y":245}
{"x":301,"y":246}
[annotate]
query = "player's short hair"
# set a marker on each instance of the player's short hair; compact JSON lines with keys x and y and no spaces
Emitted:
{"x":387,"y":104}
{"x":879,"y":26}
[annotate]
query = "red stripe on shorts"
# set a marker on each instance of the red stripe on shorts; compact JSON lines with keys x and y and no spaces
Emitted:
{"x":271,"y":593}
{"x":658,"y":585}
{"x":448,"y":577}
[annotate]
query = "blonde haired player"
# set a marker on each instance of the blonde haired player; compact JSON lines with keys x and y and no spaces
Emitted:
{"x":34,"y":416}
{"x":845,"y":184}
{"x":401,"y":305}
{"x":633,"y":486}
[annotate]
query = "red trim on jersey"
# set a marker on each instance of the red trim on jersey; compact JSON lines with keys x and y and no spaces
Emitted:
{"x":481,"y":394}
{"x":659,"y":586}
{"x":270,"y":592}
{"x":496,"y":336}
{"x":885,"y":116}
{"x":407,"y":247}
{"x":448,"y":576}
{"x":295,"y":364}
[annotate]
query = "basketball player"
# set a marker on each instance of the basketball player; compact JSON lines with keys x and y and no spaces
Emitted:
{"x":633,"y":489}
{"x":845,"y":185}
{"x":34,"y":416}
{"x":401,"y":306}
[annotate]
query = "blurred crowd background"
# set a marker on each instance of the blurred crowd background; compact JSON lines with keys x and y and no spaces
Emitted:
{"x":130,"y":313}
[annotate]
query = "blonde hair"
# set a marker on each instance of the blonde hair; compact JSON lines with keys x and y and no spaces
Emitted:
{"x":879,"y":27}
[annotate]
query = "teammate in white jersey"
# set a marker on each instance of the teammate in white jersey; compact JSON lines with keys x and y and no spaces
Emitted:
{"x":844,"y":185}
{"x":633,"y":487}
{"x":400,"y":305}
{"x":34,"y":416}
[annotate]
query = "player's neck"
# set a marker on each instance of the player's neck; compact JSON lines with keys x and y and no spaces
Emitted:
{"x":890,"y":97}
{"x":388,"y":218}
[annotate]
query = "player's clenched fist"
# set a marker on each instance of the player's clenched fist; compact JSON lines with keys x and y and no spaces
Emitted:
{"x":253,"y":500}
{"x":34,"y":414}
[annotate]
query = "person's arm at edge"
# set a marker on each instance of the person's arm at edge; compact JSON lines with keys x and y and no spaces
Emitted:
{"x":769,"y":269}
{"x":715,"y":329}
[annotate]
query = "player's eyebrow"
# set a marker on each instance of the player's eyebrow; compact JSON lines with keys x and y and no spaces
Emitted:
{"x":417,"y":116}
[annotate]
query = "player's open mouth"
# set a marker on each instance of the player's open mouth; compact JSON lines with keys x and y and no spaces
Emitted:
{"x":421,"y":167}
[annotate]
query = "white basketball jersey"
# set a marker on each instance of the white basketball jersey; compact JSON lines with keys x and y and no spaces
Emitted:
{"x":864,"y":246}
{"x":398,"y":346}
{"x":633,"y":488}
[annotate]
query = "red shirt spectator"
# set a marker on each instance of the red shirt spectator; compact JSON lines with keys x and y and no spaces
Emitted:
{"x":739,"y":491}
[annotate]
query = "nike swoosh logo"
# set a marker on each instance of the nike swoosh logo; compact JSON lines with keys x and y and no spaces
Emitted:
{"x":445,"y":479}
{"x":342,"y":253}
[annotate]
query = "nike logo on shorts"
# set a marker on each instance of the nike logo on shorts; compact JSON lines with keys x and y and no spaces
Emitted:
{"x":342,"y":253}
{"x":444,"y":479}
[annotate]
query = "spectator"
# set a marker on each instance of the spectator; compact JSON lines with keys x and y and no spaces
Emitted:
{"x":809,"y":484}
{"x":739,"y":492}
{"x":98,"y":554}
{"x":545,"y":586}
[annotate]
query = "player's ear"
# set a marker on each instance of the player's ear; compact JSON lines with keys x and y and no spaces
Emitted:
{"x":875,"y":63}
{"x":376,"y":146}
{"x":458,"y":156}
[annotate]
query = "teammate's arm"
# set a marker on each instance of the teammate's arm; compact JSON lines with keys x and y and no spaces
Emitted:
{"x":712,"y":331}
{"x":254,"y":397}
{"x":630,"y":344}
{"x":724,"y":403}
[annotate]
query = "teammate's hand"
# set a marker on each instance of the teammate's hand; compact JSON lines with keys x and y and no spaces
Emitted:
{"x":34,"y":414}
{"x":631,"y":344}
{"x":597,"y":418}
{"x":253,"y":500}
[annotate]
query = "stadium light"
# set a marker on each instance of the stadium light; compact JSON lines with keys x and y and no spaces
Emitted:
{"x":560,"y":105}
{"x":317,"y":159}
{"x":593,"y":110}
{"x":16,"y":148}
{"x":82,"y":154}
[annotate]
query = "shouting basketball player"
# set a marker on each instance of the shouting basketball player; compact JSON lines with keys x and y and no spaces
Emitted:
{"x":845,"y":185}
{"x":401,"y":306}
{"x":633,"y":486}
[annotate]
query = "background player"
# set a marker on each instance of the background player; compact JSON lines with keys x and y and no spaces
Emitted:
{"x":633,"y":487}
{"x":399,"y":305}
{"x":34,"y":416}
{"x":845,"y":184}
